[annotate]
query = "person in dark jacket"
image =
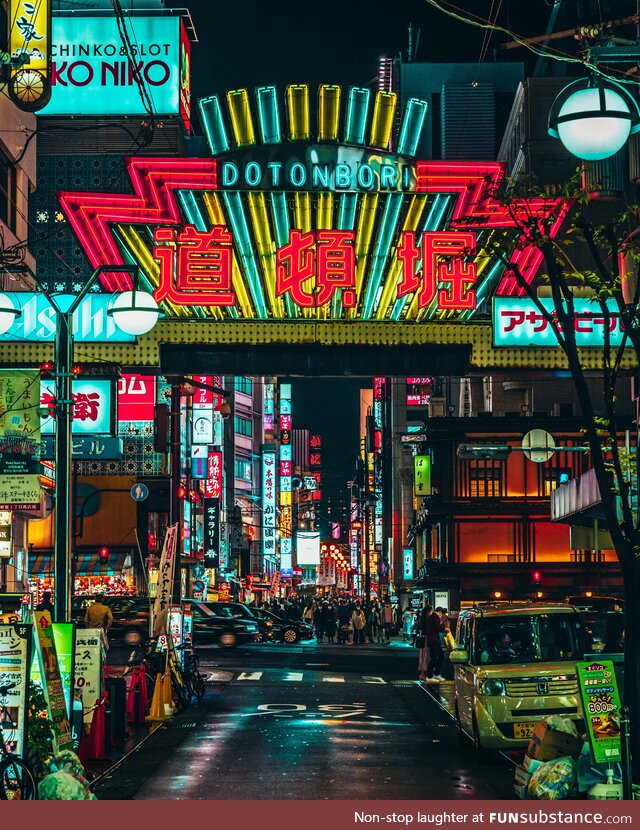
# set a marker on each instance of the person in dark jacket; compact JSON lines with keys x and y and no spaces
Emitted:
{"x":432,"y":635}
{"x":330,"y":622}
{"x":318,"y":621}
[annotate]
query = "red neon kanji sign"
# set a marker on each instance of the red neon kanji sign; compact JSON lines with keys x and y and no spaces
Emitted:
{"x":328,"y":256}
{"x":197,"y":268}
{"x":455,"y":275}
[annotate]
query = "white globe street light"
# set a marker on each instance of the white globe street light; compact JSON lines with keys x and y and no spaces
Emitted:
{"x":594,"y":118}
{"x":8,"y":313}
{"x":134,"y":312}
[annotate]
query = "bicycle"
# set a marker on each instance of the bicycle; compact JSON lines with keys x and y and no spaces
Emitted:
{"x":194,"y":680}
{"x":17,"y":781}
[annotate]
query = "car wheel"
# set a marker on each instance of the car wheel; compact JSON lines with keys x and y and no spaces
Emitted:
{"x":132,"y":637}
{"x":228,"y":639}
{"x":290,"y":636}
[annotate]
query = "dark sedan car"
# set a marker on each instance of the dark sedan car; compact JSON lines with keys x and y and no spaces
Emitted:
{"x":213,"y":625}
{"x":284,"y":631}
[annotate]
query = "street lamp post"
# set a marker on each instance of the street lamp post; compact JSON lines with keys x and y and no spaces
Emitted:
{"x":135,"y":312}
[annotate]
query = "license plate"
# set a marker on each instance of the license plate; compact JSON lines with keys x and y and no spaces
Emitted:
{"x":523,"y":730}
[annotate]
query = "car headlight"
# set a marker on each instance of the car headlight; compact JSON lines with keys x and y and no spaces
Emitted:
{"x":492,"y":687}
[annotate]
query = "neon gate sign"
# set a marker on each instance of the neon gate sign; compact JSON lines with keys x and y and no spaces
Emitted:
{"x":302,"y":230}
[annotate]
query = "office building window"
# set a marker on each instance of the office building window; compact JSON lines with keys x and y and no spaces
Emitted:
{"x":243,"y":469}
{"x":244,"y":385}
{"x":244,"y":426}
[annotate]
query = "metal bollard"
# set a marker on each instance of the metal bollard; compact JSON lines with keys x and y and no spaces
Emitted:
{"x":625,"y":748}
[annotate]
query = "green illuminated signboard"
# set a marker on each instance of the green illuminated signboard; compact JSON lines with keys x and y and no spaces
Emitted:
{"x":601,"y":704}
{"x":422,"y":475}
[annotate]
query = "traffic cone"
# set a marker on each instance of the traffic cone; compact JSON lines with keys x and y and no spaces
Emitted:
{"x":167,"y":695}
{"x":96,"y":745}
{"x":157,"y":713}
{"x":143,"y":697}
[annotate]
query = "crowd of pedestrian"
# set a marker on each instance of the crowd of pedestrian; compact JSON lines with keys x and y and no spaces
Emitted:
{"x":342,"y":620}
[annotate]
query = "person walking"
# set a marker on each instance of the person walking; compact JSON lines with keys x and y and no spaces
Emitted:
{"x":436,"y":654}
{"x":359,"y":624}
{"x":343,"y":622}
{"x":373,"y":622}
{"x":387,"y":620}
{"x":407,"y":624}
{"x":421,"y":642}
{"x":98,"y":615}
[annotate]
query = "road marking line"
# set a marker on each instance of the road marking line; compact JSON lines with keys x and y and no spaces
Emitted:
{"x":293,"y":675}
{"x":333,"y":679}
{"x":249,"y":675}
{"x":372,"y":679}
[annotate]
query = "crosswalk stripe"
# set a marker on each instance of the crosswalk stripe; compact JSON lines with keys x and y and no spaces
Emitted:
{"x":250,"y":675}
{"x":293,"y":675}
{"x":333,"y":679}
{"x":372,"y":679}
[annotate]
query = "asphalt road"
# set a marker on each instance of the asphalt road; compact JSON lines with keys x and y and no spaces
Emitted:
{"x":309,"y":722}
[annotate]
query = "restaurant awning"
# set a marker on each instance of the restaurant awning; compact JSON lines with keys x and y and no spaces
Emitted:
{"x":85,"y":564}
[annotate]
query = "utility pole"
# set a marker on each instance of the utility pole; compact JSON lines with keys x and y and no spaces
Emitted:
{"x":174,"y":469}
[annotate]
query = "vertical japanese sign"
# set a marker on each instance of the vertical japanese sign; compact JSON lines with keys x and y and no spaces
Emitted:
{"x":15,"y":660}
{"x":30,"y":36}
{"x":355,"y":525}
{"x":51,"y":674}
{"x":315,"y":462}
{"x":326,"y":572}
{"x":19,"y":440}
{"x":88,"y":668}
{"x":211,"y":508}
{"x":185,"y":78}
{"x":213,"y":487}
{"x":63,"y":639}
{"x":407,"y":563}
{"x":269,"y":502}
{"x":378,"y":420}
{"x":601,"y":705}
{"x":286,"y":473}
{"x":422,"y":475}
{"x":268,"y":408}
{"x":165,"y":570}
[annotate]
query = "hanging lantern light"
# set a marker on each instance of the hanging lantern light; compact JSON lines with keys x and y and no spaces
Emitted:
{"x":593,"y":118}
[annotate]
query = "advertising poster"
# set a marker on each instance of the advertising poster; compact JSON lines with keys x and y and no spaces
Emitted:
{"x":165,"y":571}
{"x":211,"y":509}
{"x":64,"y":641}
{"x":15,"y":659}
{"x":53,"y":688}
{"x":601,"y":704}
{"x":88,"y":667}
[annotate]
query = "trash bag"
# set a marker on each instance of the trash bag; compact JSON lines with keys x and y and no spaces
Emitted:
{"x":61,"y":786}
{"x":553,"y":780}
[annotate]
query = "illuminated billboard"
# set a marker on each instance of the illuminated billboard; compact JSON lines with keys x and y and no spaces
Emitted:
{"x":92,"y":75}
{"x":307,"y":548}
{"x":332,"y":222}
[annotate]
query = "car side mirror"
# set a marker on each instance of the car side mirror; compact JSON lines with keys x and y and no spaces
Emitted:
{"x":459,"y":655}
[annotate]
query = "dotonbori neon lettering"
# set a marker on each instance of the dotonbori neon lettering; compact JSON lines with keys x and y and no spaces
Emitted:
{"x":320,"y":175}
